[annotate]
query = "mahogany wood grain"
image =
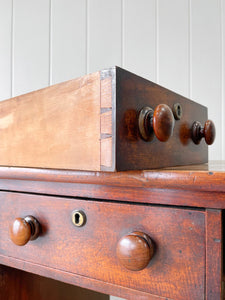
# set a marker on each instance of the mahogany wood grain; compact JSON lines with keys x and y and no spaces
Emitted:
{"x":23,"y":230}
{"x":163,"y":122}
{"x":208,"y":131}
{"x":90,"y":251}
{"x":20,"y":232}
{"x":135,"y":251}
{"x":91,"y":123}
{"x":132,"y":151}
{"x":19,"y":285}
{"x":214,"y":255}
{"x":169,"y":186}
{"x":78,"y":280}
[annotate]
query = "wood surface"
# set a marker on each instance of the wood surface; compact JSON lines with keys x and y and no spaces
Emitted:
{"x":132,"y":153}
{"x":135,"y":250}
{"x":90,"y":251}
{"x":56,"y":127}
{"x":19,"y":285}
{"x":91,"y":123}
{"x":79,"y":280}
{"x":214,"y":254}
{"x":166,"y":186}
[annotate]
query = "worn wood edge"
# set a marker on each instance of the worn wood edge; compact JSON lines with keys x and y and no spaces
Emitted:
{"x":108,"y":111}
{"x":214,"y":271}
{"x":79,"y":280}
{"x":196,"y":180}
{"x":183,"y":198}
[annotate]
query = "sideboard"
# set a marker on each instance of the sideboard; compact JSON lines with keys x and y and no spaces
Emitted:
{"x":137,"y":234}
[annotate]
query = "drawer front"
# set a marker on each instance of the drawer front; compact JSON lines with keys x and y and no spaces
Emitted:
{"x":176,"y":270}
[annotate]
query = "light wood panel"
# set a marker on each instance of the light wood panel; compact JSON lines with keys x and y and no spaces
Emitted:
{"x":139,"y":37}
{"x":173,"y":47}
{"x":68,"y":40}
{"x":56,"y":127}
{"x":31,"y":45}
{"x":103,"y":34}
{"x":5,"y":48}
{"x":206,"y":63}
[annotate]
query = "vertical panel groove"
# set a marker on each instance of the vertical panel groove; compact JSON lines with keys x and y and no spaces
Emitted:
{"x":189,"y":51}
{"x":50,"y":42}
{"x":87,"y":37}
{"x":222,"y":78}
{"x":122,"y":33}
{"x":12,"y":51}
{"x":157,"y":41}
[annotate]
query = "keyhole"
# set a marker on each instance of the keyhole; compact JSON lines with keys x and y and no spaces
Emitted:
{"x":78,"y":218}
{"x":177,"y":111}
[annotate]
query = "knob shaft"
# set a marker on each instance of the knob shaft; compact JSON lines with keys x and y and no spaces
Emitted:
{"x":160,"y":121}
{"x":135,"y":251}
{"x":208,"y":132}
{"x":23,"y":230}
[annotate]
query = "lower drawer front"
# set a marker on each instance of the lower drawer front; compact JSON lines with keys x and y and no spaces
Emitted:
{"x":176,"y":270}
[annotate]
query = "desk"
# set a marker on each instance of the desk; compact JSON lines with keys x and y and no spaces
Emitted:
{"x":173,"y":219}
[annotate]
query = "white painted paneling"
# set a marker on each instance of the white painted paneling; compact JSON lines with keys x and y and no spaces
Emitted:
{"x":206,"y":63}
{"x":68,"y":47}
{"x":104,"y":34}
{"x":5,"y":48}
{"x":173,"y":46}
{"x":223,"y":75}
{"x":179,"y":43}
{"x":139,"y":37}
{"x":31,"y":45}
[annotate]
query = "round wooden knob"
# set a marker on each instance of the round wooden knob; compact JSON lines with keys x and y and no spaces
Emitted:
{"x":208,"y":132}
{"x":160,"y":121}
{"x":23,"y":230}
{"x":135,"y":251}
{"x":163,"y":122}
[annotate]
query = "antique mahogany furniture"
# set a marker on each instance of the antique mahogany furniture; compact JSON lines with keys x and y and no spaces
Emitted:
{"x":109,"y":120}
{"x":154,"y":234}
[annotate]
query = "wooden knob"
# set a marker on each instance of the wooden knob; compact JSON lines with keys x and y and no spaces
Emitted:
{"x":160,"y":121}
{"x":135,"y":251}
{"x":24,"y":229}
{"x":208,"y":132}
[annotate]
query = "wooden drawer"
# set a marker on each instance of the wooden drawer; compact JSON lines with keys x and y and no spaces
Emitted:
{"x":102,"y":122}
{"x":176,"y":271}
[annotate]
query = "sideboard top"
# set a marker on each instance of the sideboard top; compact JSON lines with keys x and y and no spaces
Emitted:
{"x":205,"y":177}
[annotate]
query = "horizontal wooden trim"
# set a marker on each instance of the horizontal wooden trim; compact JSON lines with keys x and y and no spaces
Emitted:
{"x":75,"y":279}
{"x":207,"y":178}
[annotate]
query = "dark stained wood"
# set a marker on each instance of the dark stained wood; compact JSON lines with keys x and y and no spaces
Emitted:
{"x":91,"y":123}
{"x":75,"y":279}
{"x":169,"y":186}
{"x":20,"y":285}
{"x":163,"y":122}
{"x":208,"y":132}
{"x":214,"y":260}
{"x":132,"y":152}
{"x":22,"y":230}
{"x":90,"y":251}
{"x":135,"y":251}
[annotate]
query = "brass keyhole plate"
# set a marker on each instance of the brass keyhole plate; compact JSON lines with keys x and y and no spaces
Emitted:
{"x":78,"y":218}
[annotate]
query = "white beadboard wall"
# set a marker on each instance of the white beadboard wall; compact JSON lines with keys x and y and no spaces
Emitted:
{"x":179,"y":44}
